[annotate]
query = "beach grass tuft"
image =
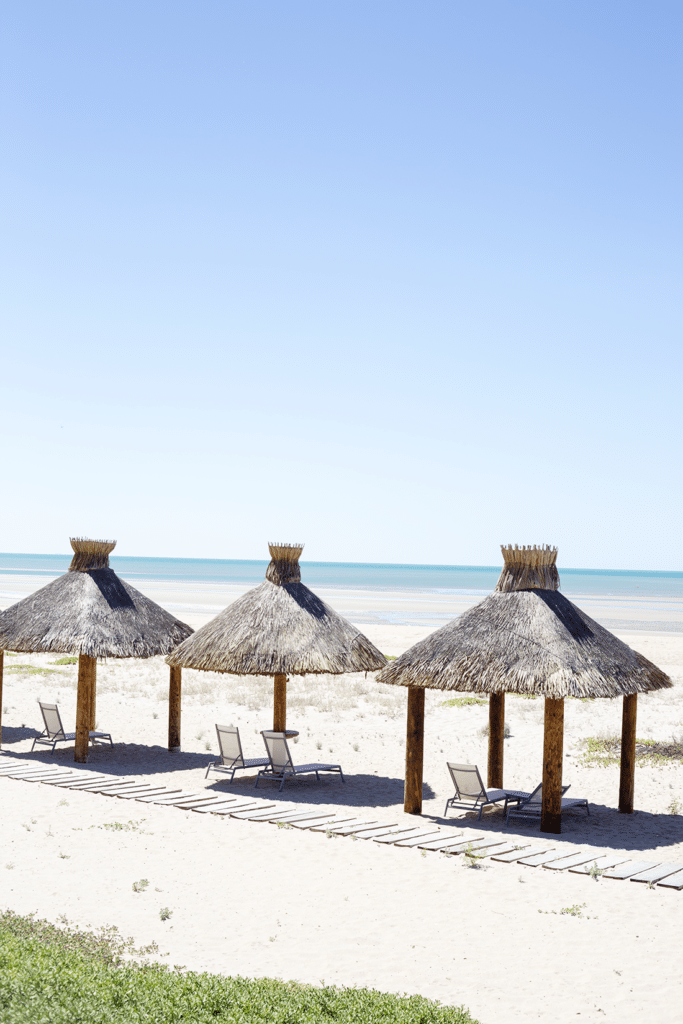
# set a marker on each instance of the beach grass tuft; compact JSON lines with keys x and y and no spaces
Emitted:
{"x":605,"y":751}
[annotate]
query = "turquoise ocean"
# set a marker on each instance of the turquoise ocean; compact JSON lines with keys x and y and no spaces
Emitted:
{"x":455,"y":579}
{"x":369,"y":592}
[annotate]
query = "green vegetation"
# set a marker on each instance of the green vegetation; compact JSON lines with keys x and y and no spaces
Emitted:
{"x":121,"y":826}
{"x":32,"y":670}
{"x":463,"y":702}
{"x":391,"y":657}
{"x":604,"y":752}
{"x":63,"y":975}
{"x":68,"y":659}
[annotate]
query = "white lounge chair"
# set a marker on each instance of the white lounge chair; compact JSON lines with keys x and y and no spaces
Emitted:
{"x":232,"y":759}
{"x":281,"y":765}
{"x":471,"y":793}
{"x":530,"y":808}
{"x":54,"y":730}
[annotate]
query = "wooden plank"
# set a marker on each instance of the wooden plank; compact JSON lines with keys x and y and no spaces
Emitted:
{"x":420,"y":838}
{"x":571,"y":861}
{"x":47,"y":777}
{"x":305,"y":816}
{"x":672,"y":881}
{"x":403,"y":833}
{"x":476,"y":846}
{"x":13,"y":765}
{"x":224,"y":807}
{"x":349,"y":827}
{"x":602,"y":863}
{"x":148,"y":791}
{"x":516,"y":854}
{"x":655,"y":874}
{"x":442,"y":844}
{"x":79,"y":780}
{"x":264,"y":814}
{"x":632,"y":867}
{"x":31,"y":769}
{"x":535,"y":860}
{"x":90,"y":782}
{"x":319,"y":824}
{"x":167,"y":794}
{"x":207,"y":801}
{"x":381,"y":830}
{"x":106,"y":787}
{"x":503,"y":848}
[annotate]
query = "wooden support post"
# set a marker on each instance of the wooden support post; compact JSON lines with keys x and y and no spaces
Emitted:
{"x":496,"y":740}
{"x":279,"y":703}
{"x":174,"y":699}
{"x":553,"y":742}
{"x":2,"y":665}
{"x":93,"y":700}
{"x":87,"y":668}
{"x":627,"y":778}
{"x":415,"y":732}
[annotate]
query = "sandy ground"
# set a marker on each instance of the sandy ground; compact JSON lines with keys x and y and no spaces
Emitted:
{"x":254,"y":899}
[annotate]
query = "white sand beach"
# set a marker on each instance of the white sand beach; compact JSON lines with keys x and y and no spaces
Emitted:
{"x":255,"y":899}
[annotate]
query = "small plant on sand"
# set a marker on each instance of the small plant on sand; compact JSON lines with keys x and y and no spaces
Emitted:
{"x":318,"y":745}
{"x":595,"y":872}
{"x":165,"y":913}
{"x":507,"y":732}
{"x":64,"y":856}
{"x":141,"y":885}
{"x":283,"y":824}
{"x":154,"y":714}
{"x":120,"y":826}
{"x":471,"y":859}
{"x":574,"y":911}
{"x":356,"y":747}
{"x":675,"y":806}
{"x":9,"y":865}
{"x":63,"y":803}
{"x":605,"y":752}
{"x":331,"y":835}
{"x":68,"y":659}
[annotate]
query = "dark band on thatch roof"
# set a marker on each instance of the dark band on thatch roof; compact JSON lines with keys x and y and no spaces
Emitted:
{"x":526,"y":641}
{"x":90,"y":611}
{"x":279,"y":628}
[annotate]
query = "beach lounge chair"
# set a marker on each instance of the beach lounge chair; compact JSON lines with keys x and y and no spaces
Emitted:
{"x":530,"y":808}
{"x":54,"y":730}
{"x":471,"y":793}
{"x":281,"y":765}
{"x":232,"y":759}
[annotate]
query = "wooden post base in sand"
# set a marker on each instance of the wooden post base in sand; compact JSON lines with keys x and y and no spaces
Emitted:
{"x":496,"y":740}
{"x":87,"y":672}
{"x":279,"y":703}
{"x":412,"y":802}
{"x":174,"y":701}
{"x":553,"y":743}
{"x":627,"y":778}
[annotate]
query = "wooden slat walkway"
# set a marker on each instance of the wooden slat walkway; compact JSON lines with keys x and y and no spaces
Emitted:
{"x":340,"y":823}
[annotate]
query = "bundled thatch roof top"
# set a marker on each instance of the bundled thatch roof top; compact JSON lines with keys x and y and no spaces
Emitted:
{"x":526,"y":637}
{"x":89,"y":610}
{"x":279,"y":628}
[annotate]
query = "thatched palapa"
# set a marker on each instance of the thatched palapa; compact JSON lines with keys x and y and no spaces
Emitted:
{"x":529,"y":638}
{"x":279,"y":628}
{"x":91,"y":612}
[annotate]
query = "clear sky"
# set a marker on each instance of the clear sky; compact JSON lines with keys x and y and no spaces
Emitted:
{"x":399,"y":280}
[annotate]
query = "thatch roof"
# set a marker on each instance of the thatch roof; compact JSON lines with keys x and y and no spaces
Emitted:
{"x":89,"y":610}
{"x":279,"y":628}
{"x":526,"y":637}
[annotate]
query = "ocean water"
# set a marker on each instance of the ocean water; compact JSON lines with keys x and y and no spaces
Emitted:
{"x":466,"y":580}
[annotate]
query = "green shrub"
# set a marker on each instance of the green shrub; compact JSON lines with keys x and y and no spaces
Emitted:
{"x":63,"y":976}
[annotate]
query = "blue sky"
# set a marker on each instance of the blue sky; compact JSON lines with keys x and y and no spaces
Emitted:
{"x":400,"y":280}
